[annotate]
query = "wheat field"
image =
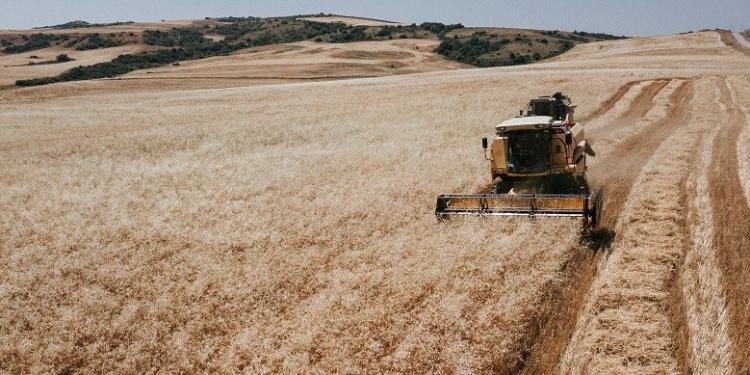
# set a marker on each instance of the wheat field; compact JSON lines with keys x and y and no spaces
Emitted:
{"x":289,"y":228}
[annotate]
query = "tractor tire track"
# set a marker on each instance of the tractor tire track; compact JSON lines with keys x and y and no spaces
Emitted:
{"x":732,"y":235}
{"x":620,"y":97}
{"x":562,"y":303}
{"x":610,"y":103}
{"x":630,"y":154}
{"x":743,"y":142}
{"x":624,"y":324}
{"x":645,"y":101}
{"x":636,"y":109}
{"x":699,"y":286}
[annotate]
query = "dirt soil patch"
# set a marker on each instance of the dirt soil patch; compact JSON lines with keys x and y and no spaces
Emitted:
{"x":373,"y":55}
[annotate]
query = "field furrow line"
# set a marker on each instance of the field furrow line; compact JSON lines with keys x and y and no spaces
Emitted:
{"x":630,"y":107}
{"x":625,"y":324}
{"x":616,"y":130}
{"x":731,"y":239}
{"x":646,"y":100}
{"x":700,"y":279}
{"x":743,"y":141}
{"x":620,"y":101}
{"x":631,"y":148}
{"x":616,"y":105}
{"x":508,"y":350}
{"x":568,"y":298}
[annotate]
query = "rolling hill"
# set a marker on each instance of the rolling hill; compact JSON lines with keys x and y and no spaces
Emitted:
{"x":288,"y":226}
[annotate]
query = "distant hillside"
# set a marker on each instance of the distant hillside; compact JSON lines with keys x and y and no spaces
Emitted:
{"x":78,"y":24}
{"x":481,"y":47}
{"x":354,"y":21}
{"x":500,"y":46}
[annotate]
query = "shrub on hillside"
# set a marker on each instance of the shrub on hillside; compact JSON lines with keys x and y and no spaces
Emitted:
{"x":95,"y":41}
{"x":63,"y":58}
{"x":32,"y":42}
{"x":440,"y":28}
{"x":159,"y":38}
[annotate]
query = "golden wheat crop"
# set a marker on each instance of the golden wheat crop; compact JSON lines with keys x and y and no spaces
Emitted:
{"x":290,"y":228}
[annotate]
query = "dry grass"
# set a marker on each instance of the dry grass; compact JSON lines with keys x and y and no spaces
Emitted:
{"x":625,"y":326}
{"x":743,"y":141}
{"x":289,"y":228}
{"x":231,"y":233}
{"x":270,"y":64}
{"x":731,"y":237}
{"x":370,"y":55}
{"x":14,"y":66}
{"x":639,"y":112}
{"x":304,"y":61}
{"x":702,"y":287}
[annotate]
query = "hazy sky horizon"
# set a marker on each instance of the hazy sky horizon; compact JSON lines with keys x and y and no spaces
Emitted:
{"x":632,"y":17}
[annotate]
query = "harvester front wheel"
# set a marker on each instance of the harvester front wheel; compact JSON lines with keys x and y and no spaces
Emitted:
{"x":596,"y":208}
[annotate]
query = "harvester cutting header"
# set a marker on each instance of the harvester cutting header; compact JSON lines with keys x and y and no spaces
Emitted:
{"x":538,"y":168}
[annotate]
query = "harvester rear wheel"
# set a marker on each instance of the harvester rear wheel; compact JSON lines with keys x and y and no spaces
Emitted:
{"x":596,"y":209}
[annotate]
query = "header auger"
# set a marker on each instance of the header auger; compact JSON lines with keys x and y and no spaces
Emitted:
{"x":538,"y":166}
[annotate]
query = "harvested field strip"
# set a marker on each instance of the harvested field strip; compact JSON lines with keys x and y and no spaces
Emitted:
{"x":625,"y":324}
{"x":700,"y":279}
{"x":743,"y":142}
{"x":732,"y":230}
{"x":645,"y":101}
{"x":616,"y":131}
{"x":558,"y":315}
{"x":547,"y":330}
{"x":551,"y":326}
{"x":610,"y":103}
{"x":604,"y":121}
{"x":630,"y":149}
{"x":620,"y":102}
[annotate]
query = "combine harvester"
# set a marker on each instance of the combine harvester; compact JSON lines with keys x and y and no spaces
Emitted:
{"x":538,"y":166}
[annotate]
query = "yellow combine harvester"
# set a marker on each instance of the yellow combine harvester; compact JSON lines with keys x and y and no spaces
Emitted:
{"x":538,"y":166}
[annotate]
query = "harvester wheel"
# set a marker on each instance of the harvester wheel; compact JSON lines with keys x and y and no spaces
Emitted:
{"x":596,"y":209}
{"x":583,"y":183}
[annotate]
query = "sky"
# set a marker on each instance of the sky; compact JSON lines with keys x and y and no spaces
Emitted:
{"x":621,"y":17}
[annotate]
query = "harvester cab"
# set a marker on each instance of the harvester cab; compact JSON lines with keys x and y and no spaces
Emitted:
{"x":538,"y":168}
